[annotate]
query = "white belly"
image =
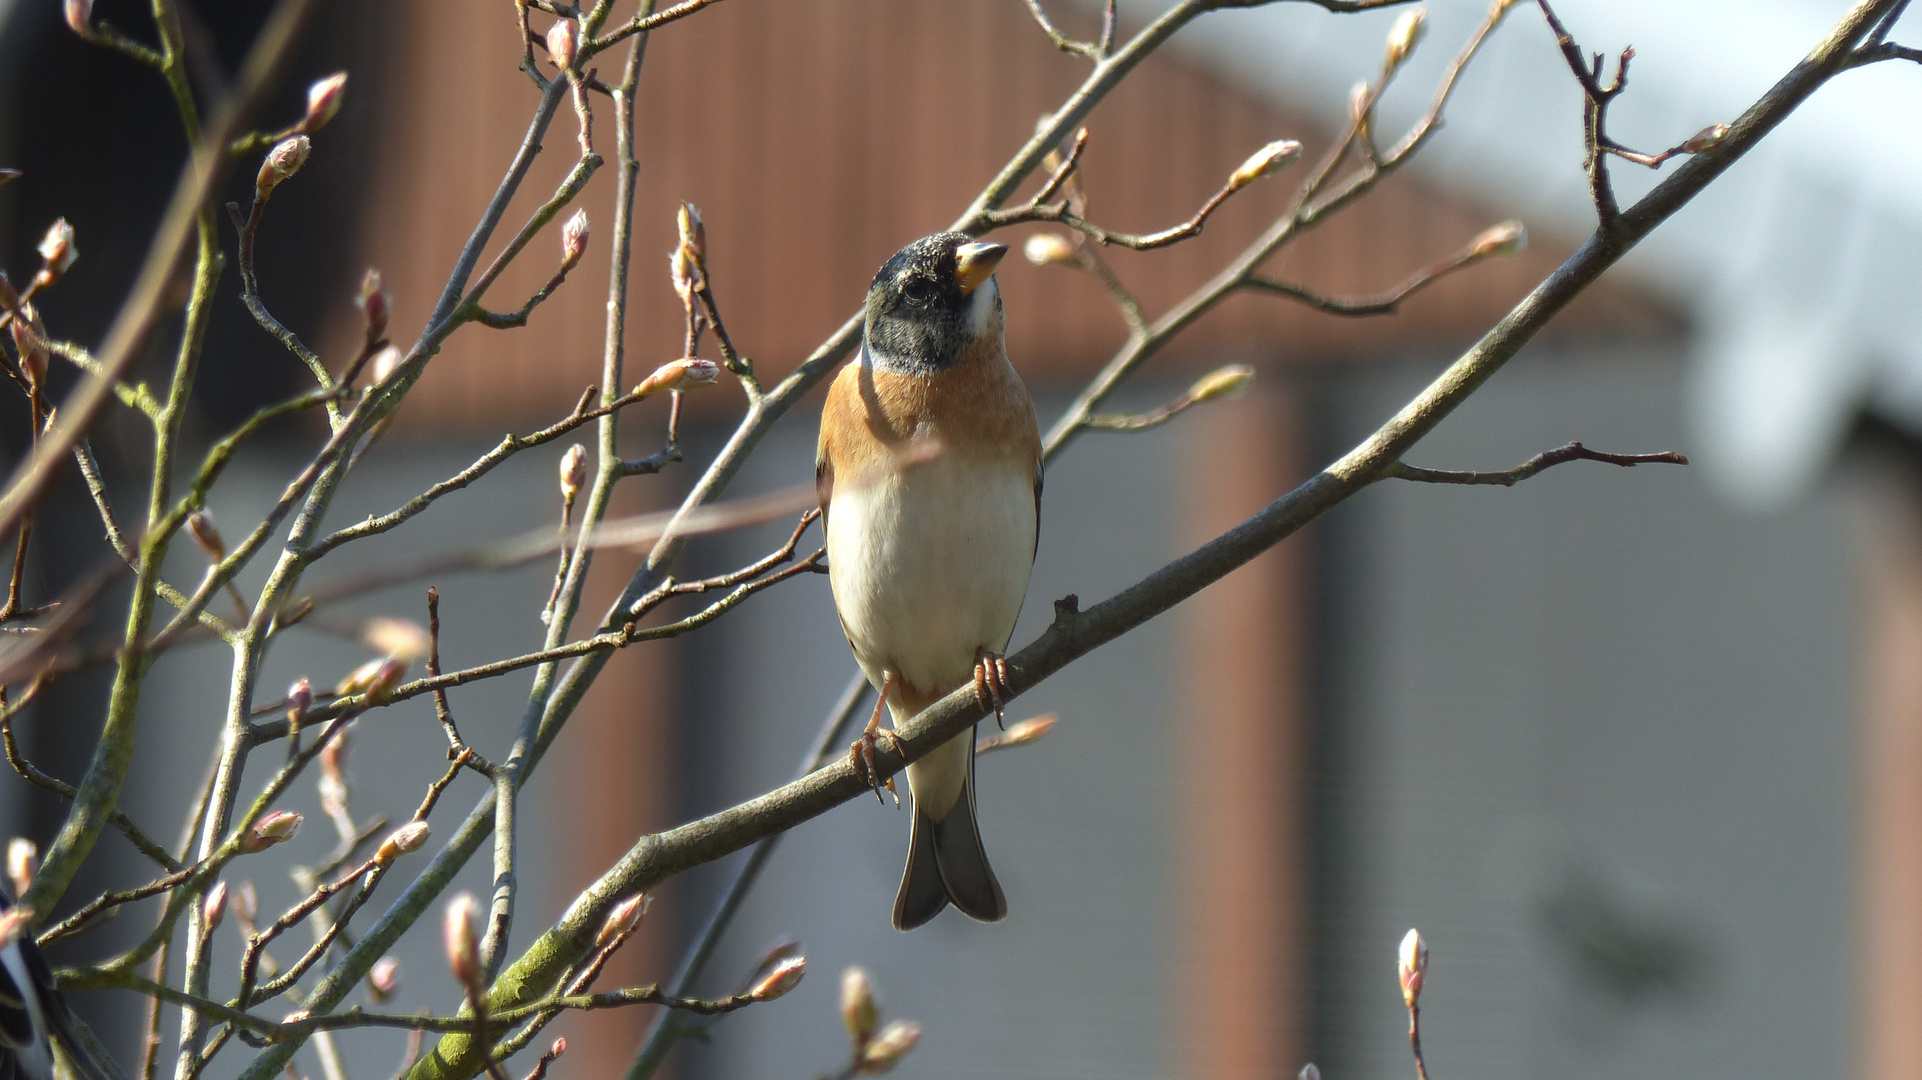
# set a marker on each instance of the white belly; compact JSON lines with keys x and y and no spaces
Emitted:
{"x":929,"y":565}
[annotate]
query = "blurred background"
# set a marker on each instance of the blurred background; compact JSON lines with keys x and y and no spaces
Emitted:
{"x":1640,"y":751}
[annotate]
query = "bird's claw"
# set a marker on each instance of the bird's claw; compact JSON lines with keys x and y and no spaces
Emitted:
{"x":991,"y":684}
{"x":861,"y":755}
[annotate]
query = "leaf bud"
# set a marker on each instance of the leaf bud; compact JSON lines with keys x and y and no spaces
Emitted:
{"x":564,"y":43}
{"x":300,"y":698}
{"x":283,"y":161}
{"x":1311,"y":1071}
{"x":1269,"y":159}
{"x":1223,"y":382}
{"x":383,"y":978}
{"x":408,"y":837}
{"x":858,"y":1011}
{"x":15,"y":922}
{"x":80,"y":18}
{"x":459,"y":930}
{"x":1046,"y":248}
{"x":781,"y":978}
{"x":246,"y":905}
{"x":693,"y":233}
{"x":403,"y":639}
{"x":1411,"y":966}
{"x":1706,"y":139}
{"x":372,"y":302}
{"x":886,"y":1049}
{"x":213,"y":907}
{"x":382,"y":366}
{"x":1508,"y":238}
{"x":57,"y":250}
{"x":1033,"y":729}
{"x":1360,"y":104}
{"x":273,"y":828}
{"x":200,"y":525}
{"x":622,"y":920}
{"x":23,"y":861}
{"x":1404,"y":35}
{"x":323,"y":101}
{"x":30,"y":339}
{"x":573,"y":472}
{"x":573,"y":239}
{"x":683,"y":374}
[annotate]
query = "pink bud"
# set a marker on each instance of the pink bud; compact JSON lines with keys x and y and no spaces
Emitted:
{"x":273,"y":828}
{"x":408,"y":837}
{"x":622,"y":920}
{"x":200,"y":524}
{"x":885,"y":1050}
{"x":80,"y":17}
{"x":23,"y":862}
{"x":381,"y":368}
{"x":300,"y":697}
{"x":57,"y":248}
{"x":683,"y":374}
{"x":383,"y":978}
{"x":463,"y":942}
{"x":1411,"y":966}
{"x":283,"y":161}
{"x":373,"y":304}
{"x":564,"y":43}
{"x":574,"y":239}
{"x":213,"y":908}
{"x":780,"y":979}
{"x":573,"y":471}
{"x":323,"y":101}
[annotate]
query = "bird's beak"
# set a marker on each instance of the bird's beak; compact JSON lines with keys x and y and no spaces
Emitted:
{"x":974,"y":263}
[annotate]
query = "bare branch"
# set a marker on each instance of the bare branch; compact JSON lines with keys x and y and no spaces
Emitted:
{"x":1547,"y":459}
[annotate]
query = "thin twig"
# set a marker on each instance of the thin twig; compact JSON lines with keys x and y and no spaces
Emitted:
{"x":1545,"y":460}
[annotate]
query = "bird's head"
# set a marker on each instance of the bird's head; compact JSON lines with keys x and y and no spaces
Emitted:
{"x":931,"y":301}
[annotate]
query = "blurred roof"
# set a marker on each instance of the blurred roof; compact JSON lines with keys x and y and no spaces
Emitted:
{"x":1798,"y":267}
{"x":817,"y":139}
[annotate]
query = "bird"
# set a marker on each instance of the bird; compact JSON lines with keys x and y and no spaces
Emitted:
{"x":928,"y":471}
{"x":34,"y":1015}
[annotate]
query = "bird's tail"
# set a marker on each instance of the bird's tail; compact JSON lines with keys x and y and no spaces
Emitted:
{"x":947,"y":865}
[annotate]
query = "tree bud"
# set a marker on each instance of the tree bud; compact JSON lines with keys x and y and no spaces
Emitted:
{"x":376,"y":679}
{"x":402,"y":639}
{"x":1223,"y":382}
{"x":680,"y":271}
{"x":300,"y":698}
{"x":408,"y":837}
{"x":246,"y":905}
{"x":15,"y":923}
{"x":213,"y":907}
{"x":693,"y":233}
{"x":283,"y":161}
{"x":9,"y":296}
{"x":1405,"y":34}
{"x":273,"y":828}
{"x":885,"y":1050}
{"x":372,"y":302}
{"x":1311,"y":1071}
{"x":382,"y":366}
{"x":1033,"y":729}
{"x":573,"y":472}
{"x":323,"y":101}
{"x":333,"y":757}
{"x":1269,"y":159}
{"x":80,"y":17}
{"x":1044,"y":248}
{"x":463,"y":941}
{"x":1411,"y":965}
{"x":564,"y":43}
{"x":1706,"y":139}
{"x":1360,"y":104}
{"x":30,"y":339}
{"x":858,"y":1011}
{"x":683,"y":374}
{"x":1508,"y":238}
{"x":573,"y":239}
{"x":23,"y":861}
{"x":781,"y":978}
{"x":383,"y":978}
{"x":622,"y":920}
{"x":57,"y":250}
{"x":200,"y":525}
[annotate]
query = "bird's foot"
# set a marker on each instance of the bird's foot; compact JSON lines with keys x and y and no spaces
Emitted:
{"x":861,"y":755}
{"x":991,"y":684}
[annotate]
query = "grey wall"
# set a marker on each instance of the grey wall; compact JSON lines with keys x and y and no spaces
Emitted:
{"x":1593,"y":736}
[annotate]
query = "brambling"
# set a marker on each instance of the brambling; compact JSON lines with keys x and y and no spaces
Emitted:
{"x":34,"y":1015}
{"x":929,"y":473}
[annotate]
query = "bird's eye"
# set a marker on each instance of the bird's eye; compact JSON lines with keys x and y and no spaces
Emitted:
{"x":917,"y":292}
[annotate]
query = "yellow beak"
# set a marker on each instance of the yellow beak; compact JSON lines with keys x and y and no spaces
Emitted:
{"x":974,"y":263}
